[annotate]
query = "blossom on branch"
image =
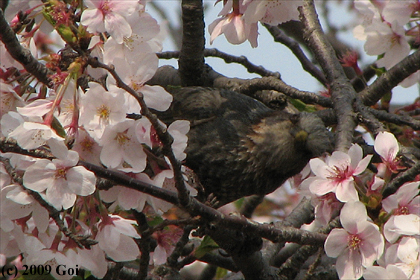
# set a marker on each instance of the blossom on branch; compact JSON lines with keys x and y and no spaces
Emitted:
{"x":109,"y":16}
{"x":60,"y":180}
{"x":336,"y":173}
{"x":357,"y":245}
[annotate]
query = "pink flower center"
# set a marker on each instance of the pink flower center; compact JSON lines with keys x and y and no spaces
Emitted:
{"x":340,"y":174}
{"x":403,"y":210}
{"x":354,"y":242}
{"x":122,"y":138}
{"x":87,"y":144}
{"x":105,"y":7}
{"x":103,"y":112}
{"x":61,"y":173}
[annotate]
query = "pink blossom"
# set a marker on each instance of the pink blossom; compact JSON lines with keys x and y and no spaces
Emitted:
{"x":121,"y":149}
{"x":178,"y":130}
{"x":273,"y":12}
{"x":408,"y":253}
{"x":405,"y":208}
{"x":131,"y":199}
{"x":31,"y":135}
{"x":101,"y":108}
{"x":115,"y":238}
{"x":325,"y":206}
{"x":391,"y":272}
{"x":357,"y":245}
{"x":59,"y":180}
{"x":411,"y":80}
{"x":9,"y":99}
{"x":136,"y":75}
{"x":386,"y":146}
{"x":233,"y":25}
{"x":400,"y":11}
{"x":166,"y":241}
{"x":109,"y":16}
{"x":389,"y":40}
{"x":16,"y":203}
{"x":336,"y":173}
{"x":88,"y":149}
{"x":142,"y":40}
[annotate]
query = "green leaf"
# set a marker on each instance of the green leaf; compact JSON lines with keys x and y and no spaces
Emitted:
{"x":206,"y":246}
{"x":301,"y":106}
{"x":58,"y":128}
{"x":155,"y":221}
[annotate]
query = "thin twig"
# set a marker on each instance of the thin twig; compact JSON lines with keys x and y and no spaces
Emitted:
{"x":161,"y":131}
{"x":404,"y":177}
{"x":280,"y":37}
{"x":81,"y":241}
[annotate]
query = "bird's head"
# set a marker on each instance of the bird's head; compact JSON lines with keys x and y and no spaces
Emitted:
{"x":309,"y":131}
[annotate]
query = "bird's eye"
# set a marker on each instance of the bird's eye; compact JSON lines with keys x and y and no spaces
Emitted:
{"x":294,"y":118}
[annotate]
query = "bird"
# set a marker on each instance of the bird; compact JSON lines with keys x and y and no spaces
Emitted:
{"x":238,"y":147}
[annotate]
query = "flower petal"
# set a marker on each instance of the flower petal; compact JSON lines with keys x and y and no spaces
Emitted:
{"x":336,"y":242}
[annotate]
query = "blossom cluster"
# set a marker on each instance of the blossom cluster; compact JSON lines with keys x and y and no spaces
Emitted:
{"x":72,"y":123}
{"x":380,"y":235}
{"x":387,"y":28}
{"x":239,"y":18}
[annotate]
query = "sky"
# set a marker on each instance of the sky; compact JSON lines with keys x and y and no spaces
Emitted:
{"x":273,"y":56}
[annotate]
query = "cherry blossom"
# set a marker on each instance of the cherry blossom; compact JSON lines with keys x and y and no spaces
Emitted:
{"x":233,"y":25}
{"x":387,"y":147}
{"x":120,"y":148}
{"x":325,"y":206}
{"x":136,"y":76}
{"x":405,"y":208}
{"x":400,"y":11}
{"x":9,"y":100}
{"x":37,"y":108}
{"x":357,"y":245}
{"x":131,"y":199}
{"x":100,"y":108}
{"x":88,"y":149}
{"x":166,"y":241}
{"x":115,"y":238}
{"x":59,"y":180}
{"x":336,"y":173}
{"x":408,"y":253}
{"x":273,"y":12}
{"x":16,"y":203}
{"x":179,"y":129}
{"x":109,"y":16}
{"x":142,"y":40}
{"x":388,"y":40}
{"x":31,"y":135}
{"x":391,"y":272}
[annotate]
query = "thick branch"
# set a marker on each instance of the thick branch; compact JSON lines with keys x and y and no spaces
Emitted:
{"x":342,"y":92}
{"x":249,"y":87}
{"x":391,"y":79}
{"x":191,"y":59}
{"x":22,"y":55}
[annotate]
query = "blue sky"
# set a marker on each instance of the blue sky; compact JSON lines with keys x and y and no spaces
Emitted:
{"x":274,"y":56}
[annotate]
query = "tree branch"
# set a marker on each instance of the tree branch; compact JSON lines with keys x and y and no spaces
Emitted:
{"x":391,"y":79}
{"x":22,"y":55}
{"x":191,"y":58}
{"x":280,"y":37}
{"x":342,"y":92}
